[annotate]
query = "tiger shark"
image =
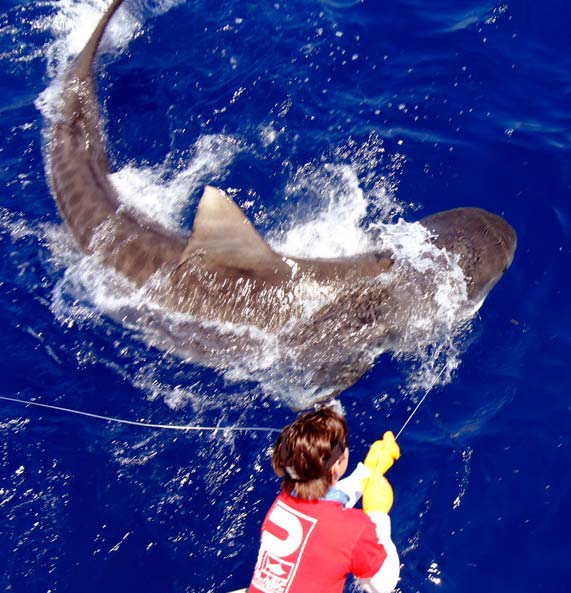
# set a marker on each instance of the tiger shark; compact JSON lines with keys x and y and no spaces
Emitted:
{"x":225,"y":272}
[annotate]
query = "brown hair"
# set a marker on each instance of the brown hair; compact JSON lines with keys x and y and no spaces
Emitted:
{"x":307,"y":449}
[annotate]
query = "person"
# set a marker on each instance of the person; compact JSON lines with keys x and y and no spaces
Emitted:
{"x":312,"y":537}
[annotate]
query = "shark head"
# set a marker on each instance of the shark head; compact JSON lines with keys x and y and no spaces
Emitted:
{"x":483,"y":242}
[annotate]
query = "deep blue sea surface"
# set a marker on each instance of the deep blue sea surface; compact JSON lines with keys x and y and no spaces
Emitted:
{"x":307,"y":111}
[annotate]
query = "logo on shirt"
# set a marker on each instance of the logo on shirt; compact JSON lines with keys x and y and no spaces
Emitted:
{"x":284,"y":537}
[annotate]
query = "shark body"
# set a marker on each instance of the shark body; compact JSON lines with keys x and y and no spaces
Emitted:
{"x":225,"y":272}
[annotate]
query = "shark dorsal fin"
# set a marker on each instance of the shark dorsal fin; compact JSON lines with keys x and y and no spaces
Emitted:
{"x":224,"y":238}
{"x":219,"y":220}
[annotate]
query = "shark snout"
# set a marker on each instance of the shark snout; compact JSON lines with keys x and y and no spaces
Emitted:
{"x":502,"y":234}
{"x":484,"y":243}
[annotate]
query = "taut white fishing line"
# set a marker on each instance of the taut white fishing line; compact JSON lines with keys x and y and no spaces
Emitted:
{"x":142,"y":424}
{"x":411,"y":415}
{"x":187,"y":427}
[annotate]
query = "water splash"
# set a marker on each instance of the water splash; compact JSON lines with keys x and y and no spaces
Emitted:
{"x":340,"y":197}
{"x":72,"y":23}
{"x":162,"y":196}
{"x":344,"y":202}
{"x":434,"y":281}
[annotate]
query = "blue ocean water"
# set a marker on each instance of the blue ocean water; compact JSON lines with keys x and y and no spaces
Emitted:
{"x":304,"y":110}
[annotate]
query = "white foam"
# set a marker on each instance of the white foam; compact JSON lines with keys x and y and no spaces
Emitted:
{"x":17,"y":227}
{"x":73,"y":23}
{"x":333,"y":230}
{"x":435,"y":283}
{"x":162,"y":196}
{"x":337,"y":201}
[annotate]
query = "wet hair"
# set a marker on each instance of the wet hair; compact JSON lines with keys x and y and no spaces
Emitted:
{"x":306,"y":451}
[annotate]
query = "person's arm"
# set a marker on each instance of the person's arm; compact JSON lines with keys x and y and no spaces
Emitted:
{"x":378,"y":499}
{"x":352,"y":485}
{"x":385,"y":580}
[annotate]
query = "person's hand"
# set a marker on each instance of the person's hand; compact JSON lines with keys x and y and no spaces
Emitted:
{"x":378,"y":494}
{"x":377,"y":491}
{"x":382,"y":454}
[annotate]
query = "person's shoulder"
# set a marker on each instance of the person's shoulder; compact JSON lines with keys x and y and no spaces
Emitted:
{"x":356,"y":514}
{"x":290,"y":500}
{"x":358,"y":519}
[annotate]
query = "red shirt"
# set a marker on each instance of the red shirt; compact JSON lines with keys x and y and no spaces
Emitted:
{"x":311,"y":547}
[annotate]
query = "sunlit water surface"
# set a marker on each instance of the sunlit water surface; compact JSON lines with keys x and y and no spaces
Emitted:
{"x":326,"y":121}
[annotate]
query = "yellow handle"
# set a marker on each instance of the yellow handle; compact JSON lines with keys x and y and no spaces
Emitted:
{"x":378,"y":494}
{"x":382,"y":454}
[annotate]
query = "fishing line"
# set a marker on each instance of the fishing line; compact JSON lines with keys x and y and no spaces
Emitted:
{"x":142,"y":424}
{"x":419,"y":403}
{"x":413,"y":413}
{"x":188,"y":427}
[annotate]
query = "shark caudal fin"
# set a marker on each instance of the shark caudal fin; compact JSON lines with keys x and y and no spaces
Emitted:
{"x":83,"y":64}
{"x":79,"y":176}
{"x":79,"y":166}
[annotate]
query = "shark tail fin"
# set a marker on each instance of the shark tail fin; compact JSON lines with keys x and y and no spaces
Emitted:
{"x":83,"y":62}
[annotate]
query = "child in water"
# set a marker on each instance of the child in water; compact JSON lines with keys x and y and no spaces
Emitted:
{"x":311,"y":537}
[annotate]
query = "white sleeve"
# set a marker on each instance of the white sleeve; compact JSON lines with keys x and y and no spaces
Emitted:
{"x":352,"y":485}
{"x":386,"y":579}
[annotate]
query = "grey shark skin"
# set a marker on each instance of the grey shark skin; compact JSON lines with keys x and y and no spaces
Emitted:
{"x":225,"y":272}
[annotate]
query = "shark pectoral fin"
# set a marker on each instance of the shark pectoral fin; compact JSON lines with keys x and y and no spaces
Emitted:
{"x":223,"y":239}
